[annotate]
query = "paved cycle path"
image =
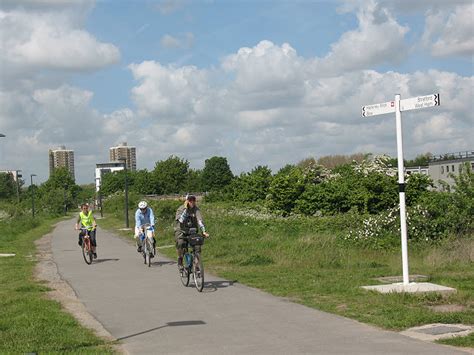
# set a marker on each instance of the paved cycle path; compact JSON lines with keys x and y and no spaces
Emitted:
{"x":152,"y":313}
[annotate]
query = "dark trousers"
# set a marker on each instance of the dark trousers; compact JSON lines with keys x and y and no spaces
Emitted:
{"x":91,"y":235}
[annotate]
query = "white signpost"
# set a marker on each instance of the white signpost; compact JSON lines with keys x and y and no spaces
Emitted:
{"x":398,"y":106}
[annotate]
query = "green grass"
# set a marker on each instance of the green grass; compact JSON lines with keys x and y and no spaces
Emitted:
{"x":467,"y":341}
{"x":302,"y":259}
{"x":29,"y":321}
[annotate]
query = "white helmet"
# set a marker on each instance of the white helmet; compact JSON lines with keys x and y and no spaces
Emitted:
{"x":142,"y":205}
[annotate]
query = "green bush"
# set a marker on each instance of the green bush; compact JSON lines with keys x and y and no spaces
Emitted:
{"x":285,"y":189}
{"x":252,"y":186}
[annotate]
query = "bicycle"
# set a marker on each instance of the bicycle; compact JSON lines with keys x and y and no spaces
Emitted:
{"x":148,"y":249}
{"x":86,"y":246}
{"x":192,"y":263}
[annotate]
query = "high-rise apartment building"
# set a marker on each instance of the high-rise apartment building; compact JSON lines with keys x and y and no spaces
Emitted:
{"x":123,"y":151}
{"x":61,"y":157}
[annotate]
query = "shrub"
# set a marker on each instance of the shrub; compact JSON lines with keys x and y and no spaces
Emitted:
{"x":285,"y":189}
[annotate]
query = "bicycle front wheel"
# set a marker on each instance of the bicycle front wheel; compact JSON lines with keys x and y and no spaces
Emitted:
{"x":86,"y":250}
{"x":148,"y":251}
{"x":198,"y":272}
{"x":184,"y":275}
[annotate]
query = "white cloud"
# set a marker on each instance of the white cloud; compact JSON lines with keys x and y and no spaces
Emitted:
{"x":264,"y":104}
{"x":168,"y":93}
{"x":450,"y":33}
{"x":379,"y":39}
{"x":49,"y":40}
{"x":185,"y":41}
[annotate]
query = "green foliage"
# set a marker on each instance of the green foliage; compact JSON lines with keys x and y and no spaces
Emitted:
{"x":285,"y":189}
{"x":7,"y":186}
{"x":193,"y":181}
{"x":141,"y":182}
{"x":216,"y":174}
{"x":57,"y":192}
{"x":115,"y":181}
{"x":252,"y":186}
{"x":417,"y":185}
{"x":420,"y":160}
{"x":170,"y":175}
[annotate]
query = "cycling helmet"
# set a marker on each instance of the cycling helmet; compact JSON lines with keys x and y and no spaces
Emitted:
{"x":142,"y":205}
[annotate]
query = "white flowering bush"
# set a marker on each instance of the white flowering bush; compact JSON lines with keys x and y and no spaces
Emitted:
{"x":380,"y":164}
{"x":382,"y":231}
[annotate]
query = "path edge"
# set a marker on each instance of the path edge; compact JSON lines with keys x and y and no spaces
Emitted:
{"x":46,"y":270}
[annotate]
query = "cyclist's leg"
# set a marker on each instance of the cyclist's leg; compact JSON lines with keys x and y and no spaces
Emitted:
{"x":81,"y":235}
{"x":138,"y":241}
{"x":92,"y":235}
{"x":180,"y":243}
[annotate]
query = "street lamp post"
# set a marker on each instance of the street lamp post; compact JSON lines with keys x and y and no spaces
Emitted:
{"x":124,"y":160}
{"x":32,"y":196}
{"x":18,"y":176}
{"x":99,"y":195}
{"x":65,"y":202}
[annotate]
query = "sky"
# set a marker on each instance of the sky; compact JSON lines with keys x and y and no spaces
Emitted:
{"x":259,"y":82}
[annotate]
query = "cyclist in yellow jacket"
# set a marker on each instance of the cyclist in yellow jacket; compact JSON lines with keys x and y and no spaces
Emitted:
{"x":86,"y":220}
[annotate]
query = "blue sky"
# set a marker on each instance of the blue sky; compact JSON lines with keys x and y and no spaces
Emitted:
{"x":260,"y":82}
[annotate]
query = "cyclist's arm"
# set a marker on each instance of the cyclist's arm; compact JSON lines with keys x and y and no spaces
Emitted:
{"x":181,"y":214}
{"x":138,"y":224}
{"x":200,"y":221}
{"x":152,"y":218}
{"x":78,"y":222}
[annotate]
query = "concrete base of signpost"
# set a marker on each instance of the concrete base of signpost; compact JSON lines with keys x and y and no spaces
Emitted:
{"x":413,"y":287}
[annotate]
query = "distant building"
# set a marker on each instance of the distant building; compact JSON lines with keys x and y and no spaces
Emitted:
{"x":417,"y":169}
{"x":442,"y":167}
{"x":122,"y":151}
{"x":103,"y":169}
{"x":61,"y":157}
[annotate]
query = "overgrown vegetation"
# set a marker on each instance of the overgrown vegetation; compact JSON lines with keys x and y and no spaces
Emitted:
{"x":29,"y":322}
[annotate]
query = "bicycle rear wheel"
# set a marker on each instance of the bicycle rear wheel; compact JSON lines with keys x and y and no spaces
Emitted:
{"x":86,"y":250}
{"x":198,"y":272}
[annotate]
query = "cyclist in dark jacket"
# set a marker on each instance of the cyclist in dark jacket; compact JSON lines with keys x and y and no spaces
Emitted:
{"x":187,"y":216}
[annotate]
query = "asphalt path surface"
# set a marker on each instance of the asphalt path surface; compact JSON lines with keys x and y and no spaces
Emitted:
{"x":150,"y":311}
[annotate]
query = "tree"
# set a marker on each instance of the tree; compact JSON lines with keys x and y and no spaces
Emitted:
{"x":142,"y":182}
{"x":114,"y":181}
{"x":333,"y":161}
{"x":170,"y":175}
{"x":7,"y":185}
{"x":194,"y":181}
{"x":252,"y":186}
{"x":285,"y":189}
{"x":216,"y":174}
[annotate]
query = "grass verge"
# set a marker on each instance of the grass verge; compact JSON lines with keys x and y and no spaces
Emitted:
{"x":303,"y":259}
{"x":466,"y":341}
{"x":30,"y":322}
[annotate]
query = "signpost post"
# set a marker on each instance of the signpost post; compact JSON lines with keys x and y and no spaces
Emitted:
{"x":398,"y":106}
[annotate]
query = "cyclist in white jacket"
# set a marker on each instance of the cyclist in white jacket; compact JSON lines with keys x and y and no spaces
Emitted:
{"x":144,"y":215}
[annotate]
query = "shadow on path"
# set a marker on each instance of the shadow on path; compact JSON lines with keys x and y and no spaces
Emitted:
{"x":212,"y":286}
{"x":162,"y":263}
{"x":169,"y":324}
{"x":97,"y":261}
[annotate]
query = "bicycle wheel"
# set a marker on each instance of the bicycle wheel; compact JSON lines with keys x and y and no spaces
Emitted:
{"x":148,"y":251}
{"x":198,"y":272}
{"x":86,"y":250}
{"x":184,"y":275}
